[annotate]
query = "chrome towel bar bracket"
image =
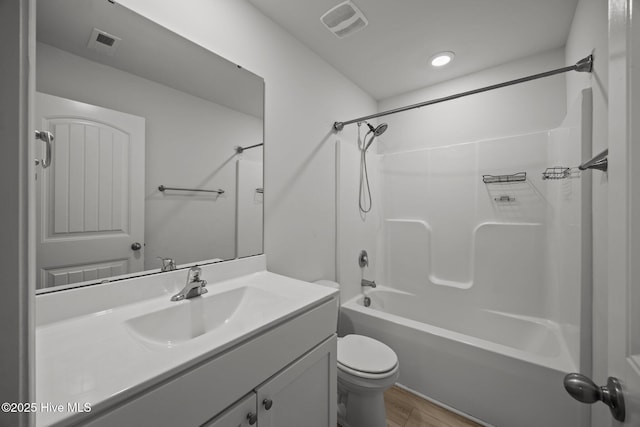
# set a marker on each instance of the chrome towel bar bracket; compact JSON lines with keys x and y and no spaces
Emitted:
{"x":163,"y":189}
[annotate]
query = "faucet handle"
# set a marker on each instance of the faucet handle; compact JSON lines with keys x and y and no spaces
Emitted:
{"x":194,"y":273}
{"x":168,"y":264}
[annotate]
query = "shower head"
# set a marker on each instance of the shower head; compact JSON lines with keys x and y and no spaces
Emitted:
{"x":379,"y":130}
{"x":376,"y":131}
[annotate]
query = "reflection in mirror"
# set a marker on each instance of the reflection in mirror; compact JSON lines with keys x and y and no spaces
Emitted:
{"x":134,"y":107}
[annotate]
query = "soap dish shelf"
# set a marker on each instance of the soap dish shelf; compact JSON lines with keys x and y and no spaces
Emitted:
{"x":560,"y":172}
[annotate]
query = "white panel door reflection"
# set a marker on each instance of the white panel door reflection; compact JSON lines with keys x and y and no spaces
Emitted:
{"x":90,"y":201}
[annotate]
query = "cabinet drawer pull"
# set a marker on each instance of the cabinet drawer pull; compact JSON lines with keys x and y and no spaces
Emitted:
{"x":268,"y":403}
{"x":252,"y":418}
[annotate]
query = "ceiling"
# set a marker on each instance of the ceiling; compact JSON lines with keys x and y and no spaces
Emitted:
{"x":391,"y":55}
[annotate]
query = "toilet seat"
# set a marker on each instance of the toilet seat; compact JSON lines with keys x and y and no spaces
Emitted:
{"x":366,"y":375}
{"x":366,"y":357}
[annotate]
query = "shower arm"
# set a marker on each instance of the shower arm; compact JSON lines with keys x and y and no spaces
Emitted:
{"x":585,"y":65}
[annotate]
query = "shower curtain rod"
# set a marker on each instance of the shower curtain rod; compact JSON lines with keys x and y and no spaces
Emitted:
{"x":584,"y":65}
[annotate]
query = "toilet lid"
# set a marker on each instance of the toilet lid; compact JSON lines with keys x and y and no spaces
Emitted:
{"x":365,"y":354}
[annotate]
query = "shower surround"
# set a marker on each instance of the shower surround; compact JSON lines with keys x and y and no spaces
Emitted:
{"x":484,"y":289}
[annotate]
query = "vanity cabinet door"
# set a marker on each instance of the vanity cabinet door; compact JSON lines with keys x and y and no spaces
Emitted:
{"x":241,"y":414}
{"x":303,"y":394}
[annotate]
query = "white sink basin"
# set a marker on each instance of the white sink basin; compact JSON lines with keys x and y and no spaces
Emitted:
{"x":191,"y":318}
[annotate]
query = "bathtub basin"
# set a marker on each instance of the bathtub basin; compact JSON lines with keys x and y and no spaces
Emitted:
{"x":499,"y":368}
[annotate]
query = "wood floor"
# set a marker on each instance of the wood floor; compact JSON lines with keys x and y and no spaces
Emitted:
{"x":405,"y":409}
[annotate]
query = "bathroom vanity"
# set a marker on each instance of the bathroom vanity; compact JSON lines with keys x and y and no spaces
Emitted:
{"x":257,"y":349}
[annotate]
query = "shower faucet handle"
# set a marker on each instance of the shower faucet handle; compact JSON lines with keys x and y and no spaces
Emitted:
{"x":363,"y":259}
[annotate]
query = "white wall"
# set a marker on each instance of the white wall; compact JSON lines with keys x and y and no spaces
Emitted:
{"x":514,"y":110}
{"x":589,"y":34}
{"x":304,"y":96}
{"x":189,"y":144}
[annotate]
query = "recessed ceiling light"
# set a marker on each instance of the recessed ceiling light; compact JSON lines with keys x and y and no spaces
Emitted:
{"x":441,"y":59}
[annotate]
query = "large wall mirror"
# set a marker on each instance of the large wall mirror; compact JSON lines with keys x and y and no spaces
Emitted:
{"x":144,"y":160}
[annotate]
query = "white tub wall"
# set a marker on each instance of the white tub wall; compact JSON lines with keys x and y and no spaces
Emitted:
{"x":510,"y":269}
{"x":568,"y":253}
{"x":522,"y":257}
{"x":418,"y":183}
{"x":356,"y":231}
{"x":443,"y":226}
{"x":444,"y":187}
{"x":589,"y":32}
{"x":304,"y":96}
{"x":512,"y":284}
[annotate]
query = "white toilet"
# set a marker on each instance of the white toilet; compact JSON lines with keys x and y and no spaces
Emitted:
{"x":366,"y":368}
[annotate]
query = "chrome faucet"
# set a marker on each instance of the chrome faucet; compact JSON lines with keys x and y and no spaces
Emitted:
{"x":168,"y":264}
{"x":194,"y":287}
{"x":370,"y":283}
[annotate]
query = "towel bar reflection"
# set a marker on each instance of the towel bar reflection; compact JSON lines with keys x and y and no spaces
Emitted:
{"x":163,"y":189}
{"x":495,"y":179}
{"x":239,"y":150}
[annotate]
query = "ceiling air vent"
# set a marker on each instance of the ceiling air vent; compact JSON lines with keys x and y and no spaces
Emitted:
{"x":344,"y":19}
{"x":103,"y":42}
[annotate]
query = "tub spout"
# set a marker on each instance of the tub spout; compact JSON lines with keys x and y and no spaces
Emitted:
{"x":370,"y":283}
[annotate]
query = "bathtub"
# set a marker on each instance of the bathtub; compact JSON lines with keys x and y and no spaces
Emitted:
{"x":502,"y":369}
